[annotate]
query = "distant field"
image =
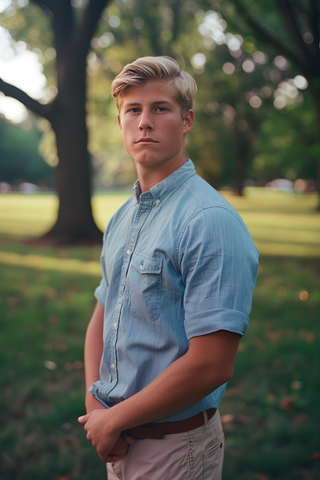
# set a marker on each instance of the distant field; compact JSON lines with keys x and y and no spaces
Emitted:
{"x":280,"y":223}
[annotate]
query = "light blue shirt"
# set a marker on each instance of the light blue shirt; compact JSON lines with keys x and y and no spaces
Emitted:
{"x":177,"y":264}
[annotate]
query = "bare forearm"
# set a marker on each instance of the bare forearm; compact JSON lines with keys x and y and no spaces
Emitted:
{"x":93,"y":352}
{"x":207,"y":365}
{"x":183,"y":383}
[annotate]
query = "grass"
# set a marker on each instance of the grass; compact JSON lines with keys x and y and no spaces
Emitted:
{"x":271,"y":407}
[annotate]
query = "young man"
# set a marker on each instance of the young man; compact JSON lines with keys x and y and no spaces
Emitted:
{"x":179,"y":269}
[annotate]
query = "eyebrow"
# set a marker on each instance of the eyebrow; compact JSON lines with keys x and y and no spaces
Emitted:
{"x":158,"y":102}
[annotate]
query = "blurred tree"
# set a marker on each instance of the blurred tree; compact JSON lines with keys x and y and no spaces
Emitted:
{"x":284,"y":145}
{"x":129,"y":30}
{"x":237,"y":129}
{"x":67,"y":115}
{"x":20,"y":160}
{"x":292,"y":29}
{"x":234,"y":101}
{"x":236,"y":85}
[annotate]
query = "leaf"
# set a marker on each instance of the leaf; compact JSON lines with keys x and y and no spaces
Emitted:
{"x":68,"y":476}
{"x":227,"y":420}
{"x":260,"y":476}
{"x":232,"y":392}
{"x":71,"y":442}
{"x":50,"y":365}
{"x":303,"y":418}
{"x":287,"y":403}
{"x":243,"y":419}
{"x":19,"y":413}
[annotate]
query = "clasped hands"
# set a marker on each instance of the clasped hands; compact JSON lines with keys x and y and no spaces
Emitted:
{"x":110,"y":444}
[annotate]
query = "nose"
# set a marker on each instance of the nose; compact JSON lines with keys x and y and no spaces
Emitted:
{"x":145,"y":121}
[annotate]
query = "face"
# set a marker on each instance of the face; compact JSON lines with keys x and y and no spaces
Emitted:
{"x":152,"y":127}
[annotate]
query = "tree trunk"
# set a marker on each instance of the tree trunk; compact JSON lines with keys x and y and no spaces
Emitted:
{"x":316,"y":97}
{"x":75,"y":223}
{"x":67,"y":115}
{"x":243,"y":148}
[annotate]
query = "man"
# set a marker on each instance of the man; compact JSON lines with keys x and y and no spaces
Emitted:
{"x":179,"y":269}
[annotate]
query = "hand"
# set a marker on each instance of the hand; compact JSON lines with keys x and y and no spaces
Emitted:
{"x":109,"y":444}
{"x":120,"y":449}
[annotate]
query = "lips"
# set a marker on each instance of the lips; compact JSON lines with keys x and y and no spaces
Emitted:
{"x":146,"y":140}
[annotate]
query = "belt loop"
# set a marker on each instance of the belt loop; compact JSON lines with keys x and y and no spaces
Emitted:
{"x":205,"y":417}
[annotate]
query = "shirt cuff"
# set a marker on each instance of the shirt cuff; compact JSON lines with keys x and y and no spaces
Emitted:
{"x":100,"y":293}
{"x":213,"y":320}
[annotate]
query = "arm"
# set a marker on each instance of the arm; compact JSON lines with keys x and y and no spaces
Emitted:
{"x":93,"y":349}
{"x":92,"y":357}
{"x":207,"y":365}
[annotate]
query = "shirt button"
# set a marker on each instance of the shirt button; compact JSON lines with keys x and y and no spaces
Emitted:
{"x":141,"y":267}
{"x":115,"y":326}
{"x":113,"y":366}
{"x":157,"y":201}
{"x":129,"y":252}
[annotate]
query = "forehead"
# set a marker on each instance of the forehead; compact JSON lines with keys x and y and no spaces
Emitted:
{"x":150,"y":91}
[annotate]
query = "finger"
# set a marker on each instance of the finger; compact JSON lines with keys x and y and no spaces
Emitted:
{"x":112,"y":458}
{"x":84,"y":418}
{"x":129,"y":440}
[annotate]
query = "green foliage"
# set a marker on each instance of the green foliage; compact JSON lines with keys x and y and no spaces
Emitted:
{"x":226,"y":141}
{"x":238,"y":133}
{"x":286,"y":144}
{"x":20,"y":160}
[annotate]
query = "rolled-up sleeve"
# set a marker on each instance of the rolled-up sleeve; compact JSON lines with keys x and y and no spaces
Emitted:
{"x":219,"y":263}
{"x":101,"y":291}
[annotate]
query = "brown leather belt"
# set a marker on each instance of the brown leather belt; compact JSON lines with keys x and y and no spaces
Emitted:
{"x":158,"y":430}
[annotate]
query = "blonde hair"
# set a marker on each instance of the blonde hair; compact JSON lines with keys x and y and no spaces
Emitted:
{"x":155,"y":68}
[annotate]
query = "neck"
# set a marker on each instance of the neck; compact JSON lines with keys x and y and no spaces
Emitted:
{"x":150,"y":175}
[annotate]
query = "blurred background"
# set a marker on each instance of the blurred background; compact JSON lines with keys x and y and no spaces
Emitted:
{"x":64,"y":171}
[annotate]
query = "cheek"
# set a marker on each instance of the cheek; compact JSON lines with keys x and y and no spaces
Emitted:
{"x":126,"y":133}
{"x":173,"y":132}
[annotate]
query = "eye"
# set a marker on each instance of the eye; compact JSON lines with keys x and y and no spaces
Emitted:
{"x":134,"y":110}
{"x":161,"y":109}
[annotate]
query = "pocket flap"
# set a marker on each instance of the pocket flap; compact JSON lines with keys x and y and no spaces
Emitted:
{"x":147,"y":265}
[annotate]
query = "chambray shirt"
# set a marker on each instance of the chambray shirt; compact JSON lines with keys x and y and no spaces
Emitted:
{"x":177,"y":263}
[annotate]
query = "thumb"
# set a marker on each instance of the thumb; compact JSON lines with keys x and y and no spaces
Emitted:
{"x":129,"y":440}
{"x":84,"y":418}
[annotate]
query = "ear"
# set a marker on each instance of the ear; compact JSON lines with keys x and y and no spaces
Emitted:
{"x":188,"y":121}
{"x":119,"y":122}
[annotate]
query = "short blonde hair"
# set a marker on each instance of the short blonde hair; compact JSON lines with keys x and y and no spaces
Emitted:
{"x":155,"y":68}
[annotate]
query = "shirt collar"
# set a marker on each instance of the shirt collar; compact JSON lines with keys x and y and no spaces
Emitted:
{"x":166,"y":186}
{"x":137,"y":190}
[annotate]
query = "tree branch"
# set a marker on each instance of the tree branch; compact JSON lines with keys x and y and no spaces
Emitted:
{"x":89,"y":21}
{"x":269,"y":39}
{"x":33,"y":105}
{"x":287,"y":12}
{"x":314,"y":23}
{"x":46,"y":6}
{"x":62,"y":20}
{"x":176,"y":6}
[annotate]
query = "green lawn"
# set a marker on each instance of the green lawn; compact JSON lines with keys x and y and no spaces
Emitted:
{"x":271,"y":407}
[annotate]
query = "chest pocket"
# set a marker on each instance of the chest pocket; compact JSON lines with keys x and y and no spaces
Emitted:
{"x":143,"y":287}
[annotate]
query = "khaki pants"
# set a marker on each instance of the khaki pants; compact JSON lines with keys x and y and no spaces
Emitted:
{"x":193,"y":455}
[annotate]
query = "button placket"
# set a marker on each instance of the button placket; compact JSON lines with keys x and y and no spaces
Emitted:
{"x":138,"y":222}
